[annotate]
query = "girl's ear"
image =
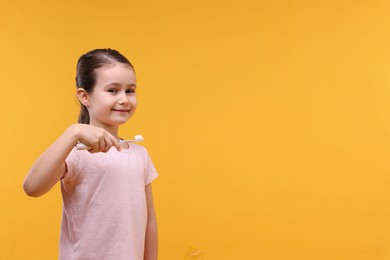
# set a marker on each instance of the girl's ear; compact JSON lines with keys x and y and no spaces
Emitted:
{"x":83,"y":96}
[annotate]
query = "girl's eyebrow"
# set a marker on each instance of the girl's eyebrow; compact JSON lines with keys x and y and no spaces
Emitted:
{"x":119,"y":84}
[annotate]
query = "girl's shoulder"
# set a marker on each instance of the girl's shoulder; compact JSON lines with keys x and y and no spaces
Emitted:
{"x":137,"y":148}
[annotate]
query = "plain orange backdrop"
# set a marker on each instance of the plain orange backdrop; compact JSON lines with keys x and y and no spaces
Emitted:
{"x":268,"y":121}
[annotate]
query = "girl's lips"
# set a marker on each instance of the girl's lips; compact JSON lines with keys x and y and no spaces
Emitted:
{"x":121,"y":110}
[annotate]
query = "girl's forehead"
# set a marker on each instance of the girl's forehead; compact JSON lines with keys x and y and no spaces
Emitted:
{"x":115,"y":67}
{"x":120,"y":73}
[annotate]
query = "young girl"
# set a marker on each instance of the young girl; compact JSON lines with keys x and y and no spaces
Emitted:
{"x":108,"y":211}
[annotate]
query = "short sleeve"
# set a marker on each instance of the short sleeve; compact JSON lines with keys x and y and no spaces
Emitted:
{"x":71,"y":164}
{"x":150,"y":170}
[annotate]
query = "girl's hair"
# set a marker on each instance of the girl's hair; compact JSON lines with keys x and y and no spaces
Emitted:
{"x":87,"y":65}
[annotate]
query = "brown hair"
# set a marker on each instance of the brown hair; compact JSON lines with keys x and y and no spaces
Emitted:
{"x":87,"y":65}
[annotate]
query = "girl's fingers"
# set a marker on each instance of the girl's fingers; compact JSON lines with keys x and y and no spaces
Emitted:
{"x":95,"y":148}
{"x":100,"y":140}
{"x":116,"y":144}
{"x":108,"y":145}
{"x":102,"y":145}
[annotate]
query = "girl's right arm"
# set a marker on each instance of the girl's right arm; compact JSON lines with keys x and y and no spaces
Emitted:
{"x":50,"y":167}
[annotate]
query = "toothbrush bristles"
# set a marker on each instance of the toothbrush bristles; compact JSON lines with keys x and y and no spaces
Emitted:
{"x":138,"y":138}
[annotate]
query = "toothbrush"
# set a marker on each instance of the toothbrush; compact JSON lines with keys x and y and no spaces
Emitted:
{"x":137,"y":138}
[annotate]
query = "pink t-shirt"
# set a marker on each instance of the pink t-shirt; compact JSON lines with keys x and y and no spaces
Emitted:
{"x":104,"y":204}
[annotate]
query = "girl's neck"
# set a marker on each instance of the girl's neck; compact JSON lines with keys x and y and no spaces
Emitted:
{"x":112,"y":129}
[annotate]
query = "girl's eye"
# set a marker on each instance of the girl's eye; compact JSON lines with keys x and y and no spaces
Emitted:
{"x":112,"y":91}
{"x":130,"y":91}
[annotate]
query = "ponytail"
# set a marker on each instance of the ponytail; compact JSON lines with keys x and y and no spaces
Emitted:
{"x":84,"y":115}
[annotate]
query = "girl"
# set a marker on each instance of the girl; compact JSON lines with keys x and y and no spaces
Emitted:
{"x":108,"y":211}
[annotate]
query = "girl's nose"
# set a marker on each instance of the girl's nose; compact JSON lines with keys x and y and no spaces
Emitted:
{"x":123,"y":99}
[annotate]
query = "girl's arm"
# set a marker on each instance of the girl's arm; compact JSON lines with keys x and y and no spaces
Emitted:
{"x":151,"y":241}
{"x":49,"y":168}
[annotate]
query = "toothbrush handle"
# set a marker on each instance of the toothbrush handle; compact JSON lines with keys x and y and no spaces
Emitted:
{"x":81,"y":146}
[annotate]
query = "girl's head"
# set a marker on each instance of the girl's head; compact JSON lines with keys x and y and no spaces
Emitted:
{"x":87,"y":68}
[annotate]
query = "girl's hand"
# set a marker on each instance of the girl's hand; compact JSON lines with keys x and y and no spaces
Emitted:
{"x":99,"y":139}
{"x":50,"y":167}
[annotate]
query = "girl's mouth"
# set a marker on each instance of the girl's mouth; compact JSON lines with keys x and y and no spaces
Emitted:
{"x":121,"y":110}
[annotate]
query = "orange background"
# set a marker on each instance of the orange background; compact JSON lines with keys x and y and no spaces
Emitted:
{"x":268,"y":121}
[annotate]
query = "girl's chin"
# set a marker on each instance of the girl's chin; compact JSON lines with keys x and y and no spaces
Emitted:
{"x":115,"y":120}
{"x":120,"y":121}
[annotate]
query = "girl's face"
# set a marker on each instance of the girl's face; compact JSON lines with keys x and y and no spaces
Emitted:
{"x":113,"y":99}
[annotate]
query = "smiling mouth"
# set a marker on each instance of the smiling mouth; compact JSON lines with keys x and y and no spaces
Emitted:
{"x":121,"y":110}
